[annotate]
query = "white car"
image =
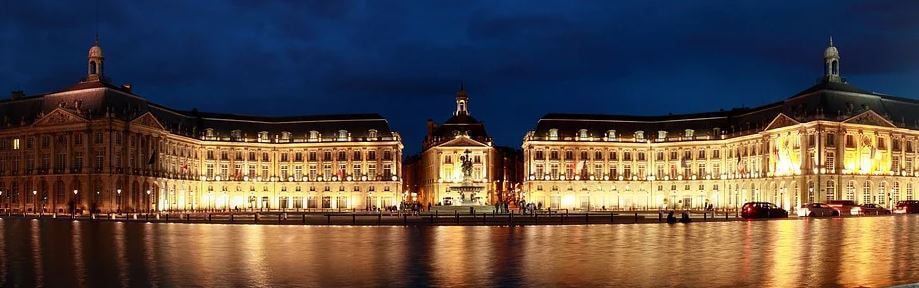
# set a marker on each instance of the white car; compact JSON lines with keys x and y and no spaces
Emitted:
{"x":816,"y":210}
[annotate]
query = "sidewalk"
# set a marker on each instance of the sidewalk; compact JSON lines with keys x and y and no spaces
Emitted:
{"x":385,"y":218}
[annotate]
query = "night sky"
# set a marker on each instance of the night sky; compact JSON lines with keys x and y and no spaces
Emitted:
{"x":406,"y":59}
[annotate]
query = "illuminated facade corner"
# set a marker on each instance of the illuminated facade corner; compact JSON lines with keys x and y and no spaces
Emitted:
{"x":831,"y":141}
{"x":119,"y":152}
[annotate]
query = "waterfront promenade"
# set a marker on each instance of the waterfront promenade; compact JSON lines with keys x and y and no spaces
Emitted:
{"x":364,"y":218}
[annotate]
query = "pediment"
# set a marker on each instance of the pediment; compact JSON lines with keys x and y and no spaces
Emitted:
{"x":463,"y":141}
{"x":780,"y":121}
{"x":59,"y":116}
{"x":870,"y":118}
{"x":148,"y":120}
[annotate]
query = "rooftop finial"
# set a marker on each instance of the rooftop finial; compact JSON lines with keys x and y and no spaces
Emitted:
{"x":462,"y":85}
{"x":831,"y":41}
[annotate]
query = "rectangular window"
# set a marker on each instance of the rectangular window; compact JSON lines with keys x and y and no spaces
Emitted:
{"x":100,"y":157}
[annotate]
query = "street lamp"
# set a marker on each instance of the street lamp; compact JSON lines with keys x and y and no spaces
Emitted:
{"x":148,"y":200}
{"x":119,"y":199}
{"x":74,"y":210}
{"x":35,"y":200}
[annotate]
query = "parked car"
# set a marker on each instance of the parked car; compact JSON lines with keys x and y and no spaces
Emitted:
{"x":844,"y":207}
{"x":817,"y":210}
{"x":752,"y":210}
{"x":907,"y":207}
{"x":870,"y":209}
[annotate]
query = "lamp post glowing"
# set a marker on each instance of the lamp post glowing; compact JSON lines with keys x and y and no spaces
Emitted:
{"x":73,"y":211}
{"x":35,"y":200}
{"x":148,"y":200}
{"x":118,"y":196}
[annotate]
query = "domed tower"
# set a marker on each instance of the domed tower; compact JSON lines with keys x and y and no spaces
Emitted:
{"x":95,"y":61}
{"x":462,"y":102}
{"x":831,"y":63}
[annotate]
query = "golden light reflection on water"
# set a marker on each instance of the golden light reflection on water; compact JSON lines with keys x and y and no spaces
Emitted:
{"x":866,"y":251}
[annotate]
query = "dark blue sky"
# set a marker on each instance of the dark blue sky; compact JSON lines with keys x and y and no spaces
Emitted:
{"x":405,"y":59}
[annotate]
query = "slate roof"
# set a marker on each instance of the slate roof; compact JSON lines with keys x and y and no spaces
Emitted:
{"x":826,"y":100}
{"x":94,"y":99}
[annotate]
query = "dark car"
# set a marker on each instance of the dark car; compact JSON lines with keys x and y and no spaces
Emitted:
{"x":753,"y":210}
{"x":907,"y":207}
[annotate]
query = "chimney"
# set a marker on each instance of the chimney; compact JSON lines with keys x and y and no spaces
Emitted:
{"x":431,"y":127}
{"x":17,"y":94}
{"x":126,"y":87}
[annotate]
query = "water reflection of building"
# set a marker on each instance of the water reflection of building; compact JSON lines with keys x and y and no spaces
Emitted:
{"x":830,"y":141}
{"x":97,"y":145}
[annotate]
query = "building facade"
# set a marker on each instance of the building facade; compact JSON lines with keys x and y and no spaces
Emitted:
{"x":458,"y":160}
{"x":99,"y":147}
{"x":830,"y":141}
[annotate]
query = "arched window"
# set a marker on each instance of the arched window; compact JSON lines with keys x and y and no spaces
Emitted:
{"x":895,"y":192}
{"x":882,"y":193}
{"x":850,"y":191}
{"x":553,"y":134}
{"x":810,"y":192}
{"x":343,"y":135}
{"x":834,"y":67}
{"x":830,"y":191}
{"x":582,"y":134}
{"x":92,"y":68}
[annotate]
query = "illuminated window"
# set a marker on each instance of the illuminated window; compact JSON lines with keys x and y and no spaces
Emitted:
{"x":661,"y":135}
{"x":689,"y":133}
{"x":639,"y":135}
{"x":553,"y":134}
{"x":830,"y":191}
{"x":583,"y":134}
{"x":611,"y":135}
{"x":866,"y":193}
{"x":909,"y":191}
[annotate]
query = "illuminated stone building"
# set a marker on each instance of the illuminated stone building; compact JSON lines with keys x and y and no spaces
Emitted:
{"x":97,"y":146}
{"x":830,"y":141}
{"x":458,"y":160}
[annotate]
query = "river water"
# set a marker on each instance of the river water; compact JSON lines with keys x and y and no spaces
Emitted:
{"x":846,"y":252}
